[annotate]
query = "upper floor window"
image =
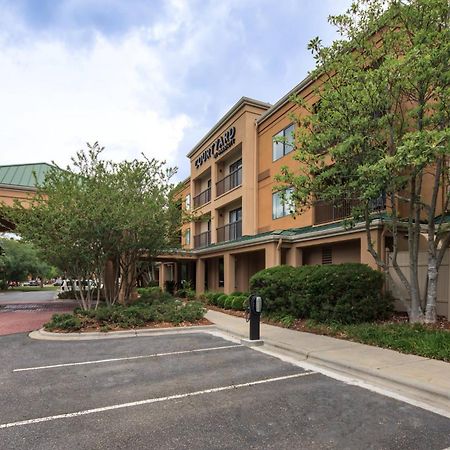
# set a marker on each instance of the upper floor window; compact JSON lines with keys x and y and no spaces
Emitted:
{"x":187,"y":202}
{"x":283,"y":142}
{"x":187,"y":237}
{"x":282,"y":207}
{"x":236,"y":165}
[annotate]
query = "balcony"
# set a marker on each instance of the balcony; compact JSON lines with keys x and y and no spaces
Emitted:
{"x":325,"y":211}
{"x":202,"y":239}
{"x":202,"y":198}
{"x":234,"y":179}
{"x":229,"y":232}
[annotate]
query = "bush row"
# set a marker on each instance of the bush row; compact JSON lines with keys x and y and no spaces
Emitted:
{"x":147,"y":310}
{"x":344,"y":293}
{"x":236,"y":300}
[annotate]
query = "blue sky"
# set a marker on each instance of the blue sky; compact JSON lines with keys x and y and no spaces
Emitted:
{"x":143,"y":75}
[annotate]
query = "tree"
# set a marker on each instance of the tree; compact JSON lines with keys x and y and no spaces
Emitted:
{"x":381,"y":128}
{"x":96,"y":219}
{"x":20,"y":260}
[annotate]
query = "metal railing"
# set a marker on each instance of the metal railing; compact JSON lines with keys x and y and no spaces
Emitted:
{"x":234,"y":179}
{"x":229,"y":232}
{"x":202,"y":239}
{"x":202,"y":198}
{"x":325,"y":211}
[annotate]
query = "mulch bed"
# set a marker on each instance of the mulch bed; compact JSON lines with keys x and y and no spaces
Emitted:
{"x":152,"y":325}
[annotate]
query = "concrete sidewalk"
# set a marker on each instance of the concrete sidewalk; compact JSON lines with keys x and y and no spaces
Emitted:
{"x":419,"y":378}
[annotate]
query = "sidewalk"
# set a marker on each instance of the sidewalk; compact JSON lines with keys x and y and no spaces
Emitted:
{"x":423,"y":379}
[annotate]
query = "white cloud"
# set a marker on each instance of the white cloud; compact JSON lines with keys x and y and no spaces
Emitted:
{"x":55,"y":98}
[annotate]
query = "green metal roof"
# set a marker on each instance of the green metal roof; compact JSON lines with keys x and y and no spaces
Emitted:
{"x":24,"y":175}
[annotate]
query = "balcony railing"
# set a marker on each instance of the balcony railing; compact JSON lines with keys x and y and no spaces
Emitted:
{"x":202,"y":198}
{"x":230,"y":232}
{"x":325,"y":211}
{"x":202,"y":239}
{"x":231,"y":181}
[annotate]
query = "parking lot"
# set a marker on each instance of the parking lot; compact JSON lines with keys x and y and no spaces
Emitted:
{"x":193,"y":391}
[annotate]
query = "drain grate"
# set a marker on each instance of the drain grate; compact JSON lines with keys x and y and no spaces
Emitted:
{"x":36,"y":307}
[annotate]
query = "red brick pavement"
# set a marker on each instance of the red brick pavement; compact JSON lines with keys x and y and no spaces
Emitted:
{"x":25,"y":321}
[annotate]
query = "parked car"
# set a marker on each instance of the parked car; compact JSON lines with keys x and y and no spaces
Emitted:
{"x":31,"y":283}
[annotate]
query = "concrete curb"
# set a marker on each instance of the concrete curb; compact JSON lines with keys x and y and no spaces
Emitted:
{"x":352,"y":369}
{"x":43,"y":335}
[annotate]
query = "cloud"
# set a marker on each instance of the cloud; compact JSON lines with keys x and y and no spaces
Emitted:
{"x":150,"y":77}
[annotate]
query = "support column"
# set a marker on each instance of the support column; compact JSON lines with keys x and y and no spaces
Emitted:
{"x":366,"y":257}
{"x":229,"y":269}
{"x":200,"y":276}
{"x":162,"y":276}
{"x":294,"y":257}
{"x":271,"y":255}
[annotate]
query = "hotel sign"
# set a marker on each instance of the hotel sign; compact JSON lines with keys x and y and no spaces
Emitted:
{"x":219,"y":146}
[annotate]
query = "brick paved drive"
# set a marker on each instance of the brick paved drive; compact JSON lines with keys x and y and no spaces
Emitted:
{"x":22,"y":312}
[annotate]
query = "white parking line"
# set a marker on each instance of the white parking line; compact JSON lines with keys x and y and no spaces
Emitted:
{"x":152,"y":400}
{"x":129,"y":358}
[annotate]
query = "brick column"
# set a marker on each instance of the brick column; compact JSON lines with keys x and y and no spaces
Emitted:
{"x":162,"y":276}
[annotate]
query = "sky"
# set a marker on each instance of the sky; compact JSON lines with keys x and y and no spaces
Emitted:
{"x":143,"y":76}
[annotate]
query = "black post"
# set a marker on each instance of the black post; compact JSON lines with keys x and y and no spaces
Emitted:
{"x":255,"y":316}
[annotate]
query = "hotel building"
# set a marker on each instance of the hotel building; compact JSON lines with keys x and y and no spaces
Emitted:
{"x":242,"y":225}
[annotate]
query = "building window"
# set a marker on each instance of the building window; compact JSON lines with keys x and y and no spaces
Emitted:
{"x":187,"y":237}
{"x":188,"y":202}
{"x":236,"y":165}
{"x":282,"y":207}
{"x":283,"y":143}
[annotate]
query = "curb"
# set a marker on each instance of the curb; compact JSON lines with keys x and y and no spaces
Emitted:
{"x":43,"y":335}
{"x":351,"y":369}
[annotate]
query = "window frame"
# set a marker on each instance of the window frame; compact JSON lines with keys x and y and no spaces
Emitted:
{"x":286,"y":206}
{"x":287,"y":143}
{"x":187,"y":237}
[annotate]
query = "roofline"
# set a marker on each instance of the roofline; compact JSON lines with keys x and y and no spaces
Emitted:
{"x":239,"y":104}
{"x":28,"y":164}
{"x":18,"y":187}
{"x":286,"y":98}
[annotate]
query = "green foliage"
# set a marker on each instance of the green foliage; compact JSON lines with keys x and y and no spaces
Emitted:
{"x":220,"y":301}
{"x":20,"y":260}
{"x":345,"y":293}
{"x":414,"y":339}
{"x":228,"y":303}
{"x":380,"y":127}
{"x":96,"y":211}
{"x":139,"y":314}
{"x":66,"y":322}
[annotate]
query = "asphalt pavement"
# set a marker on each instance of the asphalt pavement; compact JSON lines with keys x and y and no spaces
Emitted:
{"x":191,"y":391}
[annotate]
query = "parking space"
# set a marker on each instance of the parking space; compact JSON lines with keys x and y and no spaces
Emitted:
{"x":191,"y":391}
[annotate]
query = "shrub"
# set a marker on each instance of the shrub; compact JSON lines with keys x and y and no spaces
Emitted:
{"x":220,"y":301}
{"x":228,"y":304}
{"x":239,"y":302}
{"x":3,"y":285}
{"x":66,"y":322}
{"x":345,"y":293}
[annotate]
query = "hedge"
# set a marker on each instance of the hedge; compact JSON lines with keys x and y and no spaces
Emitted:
{"x":343,"y":293}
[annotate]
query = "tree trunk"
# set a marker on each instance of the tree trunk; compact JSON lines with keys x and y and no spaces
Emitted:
{"x":430,"y":314}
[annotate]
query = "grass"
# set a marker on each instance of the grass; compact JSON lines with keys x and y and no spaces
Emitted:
{"x":414,"y":339}
{"x":33,"y":288}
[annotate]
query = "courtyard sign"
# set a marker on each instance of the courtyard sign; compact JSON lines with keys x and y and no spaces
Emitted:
{"x":219,"y":146}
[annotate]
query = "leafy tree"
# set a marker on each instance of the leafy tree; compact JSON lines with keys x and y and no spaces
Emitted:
{"x":381,"y":128}
{"x":97,"y":219}
{"x":20,"y":260}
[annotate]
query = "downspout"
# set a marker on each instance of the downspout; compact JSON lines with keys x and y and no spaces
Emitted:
{"x":280,"y":241}
{"x":255,"y":178}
